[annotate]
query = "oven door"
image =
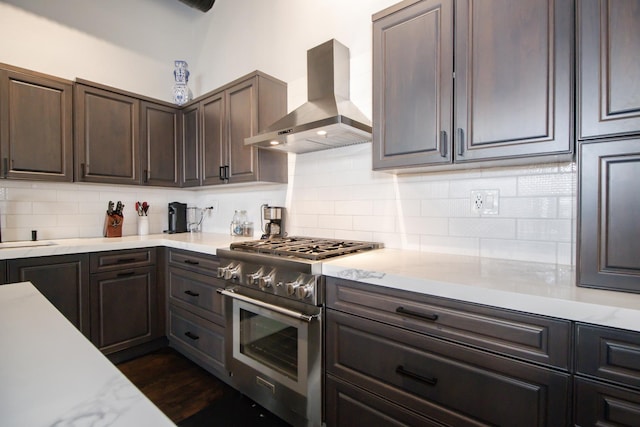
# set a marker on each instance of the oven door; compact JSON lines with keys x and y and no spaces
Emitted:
{"x":274,"y":353}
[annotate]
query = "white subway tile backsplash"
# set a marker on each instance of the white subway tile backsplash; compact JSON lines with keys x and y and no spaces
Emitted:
{"x":335,"y":194}
{"x":494,"y":228}
{"x":451,"y":245}
{"x":560,"y":184}
{"x":335,"y":222}
{"x":461,"y":188}
{"x":519,"y":250}
{"x":529,"y":207}
{"x":556,"y":230}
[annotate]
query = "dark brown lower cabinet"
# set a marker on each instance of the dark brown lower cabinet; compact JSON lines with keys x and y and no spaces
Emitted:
{"x":196,"y":323}
{"x":349,"y":405}
{"x":600,"y":404}
{"x":443,"y":381}
{"x":62,"y":279}
{"x":607,"y":382}
{"x":124,"y":309}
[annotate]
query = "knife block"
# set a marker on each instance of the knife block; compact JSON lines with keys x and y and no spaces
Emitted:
{"x":113,"y":225}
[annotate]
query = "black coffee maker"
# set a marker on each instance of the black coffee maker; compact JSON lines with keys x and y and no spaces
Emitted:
{"x":177,"y":217}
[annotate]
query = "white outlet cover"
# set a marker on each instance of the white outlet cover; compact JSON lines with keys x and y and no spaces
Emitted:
{"x":485,"y":202}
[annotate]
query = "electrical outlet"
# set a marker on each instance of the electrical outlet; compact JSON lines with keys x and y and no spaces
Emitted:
{"x":485,"y":202}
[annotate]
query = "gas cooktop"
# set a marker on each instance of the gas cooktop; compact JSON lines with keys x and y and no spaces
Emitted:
{"x":304,"y":247}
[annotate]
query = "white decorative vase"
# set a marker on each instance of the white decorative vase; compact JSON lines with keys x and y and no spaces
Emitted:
{"x":143,"y":225}
{"x":181,"y":92}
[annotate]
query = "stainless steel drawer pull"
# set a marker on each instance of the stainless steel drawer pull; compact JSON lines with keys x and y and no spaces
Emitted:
{"x":123,"y":260}
{"x":192,"y":335}
{"x":430,"y":317}
{"x":192,"y":294}
{"x":401,"y":371}
{"x":190,"y":262}
{"x":126,"y":274}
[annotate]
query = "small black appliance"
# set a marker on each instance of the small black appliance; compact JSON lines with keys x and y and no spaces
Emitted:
{"x":177,"y":217}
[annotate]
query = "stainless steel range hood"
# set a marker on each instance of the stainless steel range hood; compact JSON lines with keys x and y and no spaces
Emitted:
{"x":329,"y":119}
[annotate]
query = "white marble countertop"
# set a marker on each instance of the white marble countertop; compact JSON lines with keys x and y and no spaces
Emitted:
{"x":200,"y":242}
{"x":51,"y":375}
{"x":545,"y":289}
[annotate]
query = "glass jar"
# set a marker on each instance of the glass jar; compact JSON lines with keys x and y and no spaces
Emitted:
{"x":239,"y":218}
{"x":247,"y":229}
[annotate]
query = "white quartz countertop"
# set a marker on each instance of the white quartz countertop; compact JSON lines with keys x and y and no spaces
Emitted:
{"x":200,"y":242}
{"x":51,"y":375}
{"x":545,"y":289}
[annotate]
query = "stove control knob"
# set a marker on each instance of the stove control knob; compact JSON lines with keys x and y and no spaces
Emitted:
{"x":254,"y":278}
{"x":265,"y":282}
{"x":304,"y":292}
{"x":231,"y":273}
{"x":221,"y":271}
{"x":291,"y":287}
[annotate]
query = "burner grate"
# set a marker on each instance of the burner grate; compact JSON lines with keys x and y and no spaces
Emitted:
{"x":304,"y":247}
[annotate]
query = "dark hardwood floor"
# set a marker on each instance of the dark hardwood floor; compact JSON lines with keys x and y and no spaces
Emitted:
{"x":192,"y":397}
{"x":177,"y":386}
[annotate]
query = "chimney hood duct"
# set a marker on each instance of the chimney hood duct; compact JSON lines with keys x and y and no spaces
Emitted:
{"x":201,"y":5}
{"x":328,"y":109}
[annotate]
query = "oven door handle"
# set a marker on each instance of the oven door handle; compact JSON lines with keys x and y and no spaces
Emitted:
{"x":281,"y":310}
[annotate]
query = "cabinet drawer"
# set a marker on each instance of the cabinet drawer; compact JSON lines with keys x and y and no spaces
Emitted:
{"x":455,"y":384}
{"x":610,"y":354}
{"x":200,"y":263}
{"x":116,"y":260}
{"x":527,"y":336}
{"x":349,"y":406}
{"x":196,"y":292}
{"x":598,"y":404}
{"x":198,"y":337}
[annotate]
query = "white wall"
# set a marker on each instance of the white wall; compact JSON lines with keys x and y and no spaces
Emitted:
{"x":334,"y":193}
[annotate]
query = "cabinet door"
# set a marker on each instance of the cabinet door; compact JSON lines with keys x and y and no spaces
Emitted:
{"x":107,"y":146}
{"x":599,"y":404}
{"x":35,"y":127}
{"x":413,"y":85}
{"x":160,"y":145}
{"x":190,"y":173}
{"x":513,"y":83}
{"x":609,"y":208}
{"x":63,"y":280}
{"x":213,"y":139}
{"x":124,"y":309}
{"x":242,"y":120}
{"x":608,"y":68}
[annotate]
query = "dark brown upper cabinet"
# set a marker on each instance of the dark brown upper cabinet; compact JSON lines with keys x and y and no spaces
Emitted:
{"x":608,"y":68}
{"x":191,"y":171}
{"x":505,"y":96}
{"x":36,"y":123}
{"x":106,"y":135}
{"x":609,"y":205}
{"x":161,"y":150}
{"x":226,"y":117}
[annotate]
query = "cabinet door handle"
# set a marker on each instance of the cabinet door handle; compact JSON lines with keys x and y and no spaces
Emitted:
{"x":400,"y":370}
{"x":123,"y":260}
{"x":221,"y":173}
{"x":191,"y":262}
{"x":226,"y":173}
{"x":422,"y":316}
{"x":191,"y":293}
{"x":145,"y":176}
{"x":192,"y":335}
{"x":443,"y":143}
{"x":126,"y":274}
{"x":5,"y":167}
{"x":460,"y":142}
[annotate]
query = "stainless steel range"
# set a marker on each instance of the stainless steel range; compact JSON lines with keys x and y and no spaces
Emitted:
{"x":274,"y":309}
